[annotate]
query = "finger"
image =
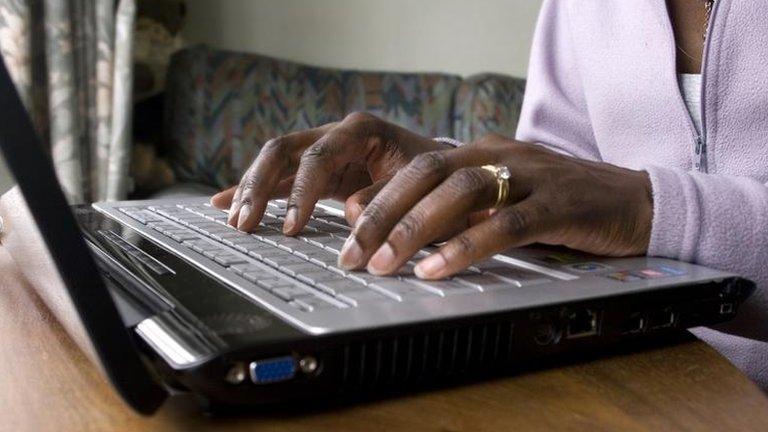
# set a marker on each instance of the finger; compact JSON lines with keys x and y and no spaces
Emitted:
{"x":357,"y":202}
{"x":407,"y":188}
{"x":274,"y":163}
{"x":467,"y":190}
{"x":518,"y":225}
{"x":320,"y":164}
{"x":223,"y":199}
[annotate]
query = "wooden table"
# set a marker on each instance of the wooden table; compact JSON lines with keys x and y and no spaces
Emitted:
{"x":46,"y":383}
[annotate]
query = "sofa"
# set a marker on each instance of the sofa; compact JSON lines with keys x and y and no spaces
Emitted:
{"x":221,"y":106}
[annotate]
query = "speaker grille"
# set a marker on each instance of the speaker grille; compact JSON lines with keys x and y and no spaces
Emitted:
{"x":426,"y":356}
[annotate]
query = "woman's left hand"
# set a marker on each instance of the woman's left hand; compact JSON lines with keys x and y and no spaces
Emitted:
{"x":553,"y":199}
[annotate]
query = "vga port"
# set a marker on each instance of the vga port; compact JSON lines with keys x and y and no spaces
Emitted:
{"x":272,"y":370}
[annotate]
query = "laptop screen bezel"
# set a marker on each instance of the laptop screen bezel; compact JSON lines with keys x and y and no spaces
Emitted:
{"x":32,"y":169}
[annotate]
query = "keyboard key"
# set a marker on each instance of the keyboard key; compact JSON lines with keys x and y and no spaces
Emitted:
{"x":227,"y":259}
{"x":213,"y":253}
{"x":319,"y":303}
{"x":337,"y":286}
{"x":483,"y":281}
{"x":298,"y":268}
{"x":198,"y":245}
{"x":281,"y":258}
{"x":290,"y":244}
{"x":289,"y":293}
{"x":442,"y":288}
{"x":271,"y":283}
{"x":362,"y":296}
{"x":244,"y":268}
{"x":511,"y":274}
{"x":317,"y":276}
{"x":335,"y":245}
{"x":400,"y":291}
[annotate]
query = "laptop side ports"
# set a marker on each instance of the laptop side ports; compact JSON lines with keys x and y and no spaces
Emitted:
{"x":662,"y":318}
{"x":634,"y":324}
{"x":582,"y":323}
{"x":272,"y":370}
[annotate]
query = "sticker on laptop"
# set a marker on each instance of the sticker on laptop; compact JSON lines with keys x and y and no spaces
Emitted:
{"x":562,"y":258}
{"x":624,"y":276}
{"x":587,"y":267}
{"x":645,"y":274}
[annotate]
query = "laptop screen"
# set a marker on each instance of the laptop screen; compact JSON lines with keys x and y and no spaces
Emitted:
{"x":41,"y":233}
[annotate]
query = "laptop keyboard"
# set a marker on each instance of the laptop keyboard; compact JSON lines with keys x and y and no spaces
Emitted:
{"x":304,"y":272}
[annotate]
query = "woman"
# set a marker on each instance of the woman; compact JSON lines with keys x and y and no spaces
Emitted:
{"x":644,"y":131}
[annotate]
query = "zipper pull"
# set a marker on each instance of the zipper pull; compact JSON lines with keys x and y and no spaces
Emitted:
{"x":699,"y":145}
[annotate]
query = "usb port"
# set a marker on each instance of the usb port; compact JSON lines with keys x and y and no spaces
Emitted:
{"x":635,"y":324}
{"x":272,"y":370}
{"x":582,"y":323}
{"x":663,"y":318}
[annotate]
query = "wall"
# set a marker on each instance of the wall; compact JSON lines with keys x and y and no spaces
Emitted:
{"x":457,"y":36}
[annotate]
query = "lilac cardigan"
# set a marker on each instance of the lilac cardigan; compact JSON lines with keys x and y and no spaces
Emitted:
{"x":602,"y":86}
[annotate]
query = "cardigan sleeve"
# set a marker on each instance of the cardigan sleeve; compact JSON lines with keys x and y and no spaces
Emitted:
{"x":719,"y":221}
{"x":554,"y":112}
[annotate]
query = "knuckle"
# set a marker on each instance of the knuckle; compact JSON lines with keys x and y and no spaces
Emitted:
{"x":463,"y":246}
{"x":316,"y":152}
{"x":430,"y":163}
{"x":300,"y":188}
{"x":407,"y":228}
{"x":273,"y":146}
{"x":469,"y":181}
{"x":373,"y":216}
{"x":513,"y":222}
{"x":356,"y":117}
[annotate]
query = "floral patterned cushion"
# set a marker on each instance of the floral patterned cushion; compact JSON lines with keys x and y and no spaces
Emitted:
{"x":222,"y":106}
{"x":487,"y":103}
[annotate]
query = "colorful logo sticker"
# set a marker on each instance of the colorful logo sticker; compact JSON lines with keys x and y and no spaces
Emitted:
{"x":587,"y":267}
{"x":671,"y":271}
{"x":624,"y":276}
{"x":650,"y":273}
{"x":645,"y":274}
{"x":562,"y":258}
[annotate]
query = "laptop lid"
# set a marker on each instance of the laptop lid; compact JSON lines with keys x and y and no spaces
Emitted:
{"x":31,"y":168}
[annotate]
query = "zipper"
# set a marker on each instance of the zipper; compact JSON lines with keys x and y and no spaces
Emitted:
{"x":701,"y":139}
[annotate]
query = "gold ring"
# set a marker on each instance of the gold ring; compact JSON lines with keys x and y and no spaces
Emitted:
{"x":502,"y":175}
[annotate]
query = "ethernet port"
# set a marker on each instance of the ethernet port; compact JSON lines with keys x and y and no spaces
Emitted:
{"x":581,"y":323}
{"x":663,"y":318}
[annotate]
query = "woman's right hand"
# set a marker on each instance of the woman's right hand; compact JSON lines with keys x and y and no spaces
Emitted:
{"x":348,"y":161}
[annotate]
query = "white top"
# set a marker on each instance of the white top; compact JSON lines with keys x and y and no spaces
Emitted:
{"x":690,"y":88}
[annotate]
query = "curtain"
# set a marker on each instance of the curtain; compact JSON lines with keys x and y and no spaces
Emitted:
{"x":71,"y":61}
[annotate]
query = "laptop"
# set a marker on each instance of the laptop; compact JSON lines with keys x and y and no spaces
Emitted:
{"x":175,"y":301}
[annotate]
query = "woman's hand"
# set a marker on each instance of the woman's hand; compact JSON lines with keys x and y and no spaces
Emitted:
{"x":349,"y":161}
{"x":554,"y":199}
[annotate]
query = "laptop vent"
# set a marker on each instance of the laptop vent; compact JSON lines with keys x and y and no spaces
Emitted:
{"x":423,"y":357}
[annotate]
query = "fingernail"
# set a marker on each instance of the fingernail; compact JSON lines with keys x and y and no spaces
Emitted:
{"x":382,"y":260}
{"x":291,"y":219}
{"x":351,"y":254}
{"x":430,"y":267}
{"x":213,"y":198}
{"x":245,"y":211}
